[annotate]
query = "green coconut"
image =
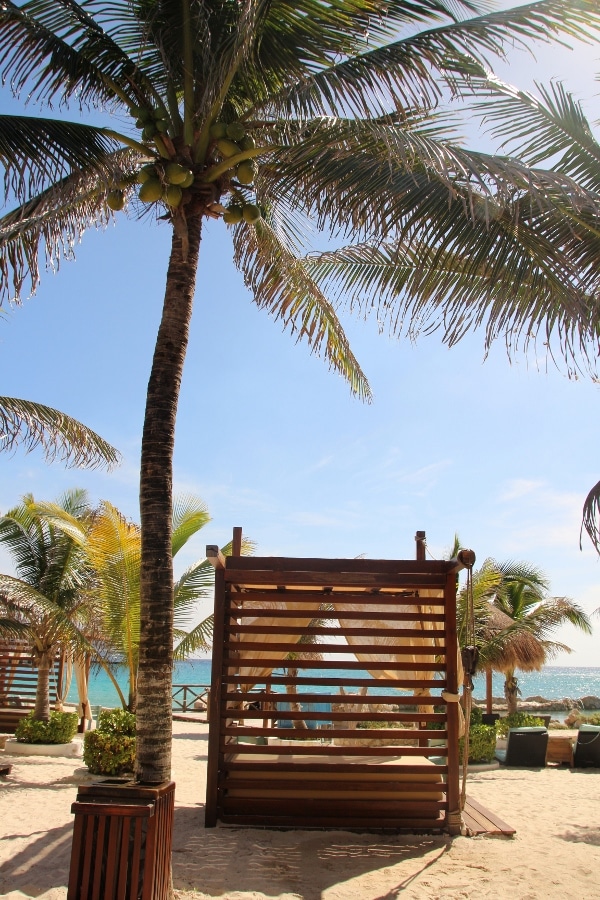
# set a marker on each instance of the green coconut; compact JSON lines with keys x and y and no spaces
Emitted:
{"x":236,"y":131}
{"x":218,"y":130}
{"x":188,"y":180}
{"x":232,"y":215}
{"x":246,"y":172}
{"x":173,"y":194}
{"x":151,"y":191}
{"x":248,"y":143}
{"x":251,"y":213}
{"x":148,"y":131}
{"x":176,"y":174}
{"x":162,"y":126}
{"x":145,"y":173}
{"x":227,"y":148}
{"x":115,"y":200}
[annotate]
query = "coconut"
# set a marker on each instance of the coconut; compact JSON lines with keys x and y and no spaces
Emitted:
{"x":251,"y":213}
{"x":248,"y":143}
{"x":162,"y":126}
{"x":188,"y":180}
{"x":236,"y":131}
{"x":172,"y":195}
{"x":151,"y":191}
{"x":245,"y":172}
{"x":232,"y":215}
{"x":148,"y":132}
{"x":176,"y":174}
{"x":227,"y":148}
{"x":145,"y":173}
{"x":115,"y":200}
{"x":218,"y":130}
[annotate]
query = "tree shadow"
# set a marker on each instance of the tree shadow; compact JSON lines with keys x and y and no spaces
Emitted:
{"x":303,"y":862}
{"x":29,"y":870}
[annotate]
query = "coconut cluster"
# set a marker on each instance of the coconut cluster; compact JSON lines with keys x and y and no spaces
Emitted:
{"x":150,"y":121}
{"x":164,"y":182}
{"x":230,"y":140}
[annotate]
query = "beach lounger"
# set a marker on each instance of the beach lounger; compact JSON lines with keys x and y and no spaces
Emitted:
{"x":587,"y":747}
{"x":525,"y":747}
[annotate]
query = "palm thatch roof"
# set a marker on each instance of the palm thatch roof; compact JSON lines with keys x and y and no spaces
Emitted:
{"x":509,"y":645}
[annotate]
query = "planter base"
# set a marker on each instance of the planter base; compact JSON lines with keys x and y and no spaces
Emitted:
{"x":15,"y":748}
{"x":122,"y":840}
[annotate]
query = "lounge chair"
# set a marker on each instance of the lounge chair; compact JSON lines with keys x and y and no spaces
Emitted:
{"x":525,"y":747}
{"x":587,"y":747}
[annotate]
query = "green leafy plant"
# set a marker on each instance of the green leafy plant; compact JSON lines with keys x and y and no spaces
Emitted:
{"x":516,"y":720}
{"x":60,"y":728}
{"x":482,"y":743}
{"x":110,"y":749}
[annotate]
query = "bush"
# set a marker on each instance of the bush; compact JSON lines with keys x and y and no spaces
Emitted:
{"x":482,"y":743}
{"x":116,"y":721}
{"x":476,"y":715}
{"x":516,"y":720}
{"x":59,"y":729}
{"x":110,"y":749}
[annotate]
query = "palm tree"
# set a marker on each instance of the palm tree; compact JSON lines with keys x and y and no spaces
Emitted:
{"x":522,"y":616}
{"x":113,"y":545}
{"x":35,"y":425}
{"x":47,"y":601}
{"x":284,"y":111}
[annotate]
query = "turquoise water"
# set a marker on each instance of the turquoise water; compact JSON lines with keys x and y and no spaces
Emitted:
{"x":553,"y":682}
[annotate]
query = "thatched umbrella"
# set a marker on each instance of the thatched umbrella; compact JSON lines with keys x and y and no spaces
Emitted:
{"x":506,"y":645}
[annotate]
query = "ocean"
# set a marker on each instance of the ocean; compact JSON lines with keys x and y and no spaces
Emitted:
{"x":552,"y":682}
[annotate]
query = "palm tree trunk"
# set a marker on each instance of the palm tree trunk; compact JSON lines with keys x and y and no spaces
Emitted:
{"x":511,"y":692}
{"x":42,"y":692}
{"x":154,"y":716}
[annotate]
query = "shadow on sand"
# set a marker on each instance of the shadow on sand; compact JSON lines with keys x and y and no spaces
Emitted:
{"x":224,"y":860}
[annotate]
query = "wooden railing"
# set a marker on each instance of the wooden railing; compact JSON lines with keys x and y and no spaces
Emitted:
{"x":186,"y":696}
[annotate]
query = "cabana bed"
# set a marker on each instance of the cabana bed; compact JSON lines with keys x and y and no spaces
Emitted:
{"x":383,"y":759}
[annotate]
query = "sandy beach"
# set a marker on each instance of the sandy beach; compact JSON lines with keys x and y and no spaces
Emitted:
{"x":555,"y":853}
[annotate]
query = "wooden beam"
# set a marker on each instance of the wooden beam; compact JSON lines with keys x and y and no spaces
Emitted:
{"x":214,"y":556}
{"x":236,"y":548}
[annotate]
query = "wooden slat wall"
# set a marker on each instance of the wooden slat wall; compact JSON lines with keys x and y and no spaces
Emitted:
{"x":260,"y":773}
{"x":18,"y":682}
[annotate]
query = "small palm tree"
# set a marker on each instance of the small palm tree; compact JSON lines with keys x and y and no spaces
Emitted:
{"x":515,"y":619}
{"x":47,"y":601}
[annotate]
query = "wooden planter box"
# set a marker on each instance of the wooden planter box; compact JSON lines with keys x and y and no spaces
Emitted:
{"x":122,"y":839}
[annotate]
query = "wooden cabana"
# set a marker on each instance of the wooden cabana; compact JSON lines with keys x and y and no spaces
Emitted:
{"x":386,"y":757}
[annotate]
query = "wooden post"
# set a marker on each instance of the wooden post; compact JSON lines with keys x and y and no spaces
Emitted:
{"x":420,"y":539}
{"x":488,"y":691}
{"x":236,"y":548}
{"x":452,"y":687}
{"x":214,"y":707}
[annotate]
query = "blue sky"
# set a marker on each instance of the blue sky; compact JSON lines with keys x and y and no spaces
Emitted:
{"x":502,"y":453}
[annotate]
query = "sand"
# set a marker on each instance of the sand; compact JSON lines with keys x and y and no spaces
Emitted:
{"x":555,"y":853}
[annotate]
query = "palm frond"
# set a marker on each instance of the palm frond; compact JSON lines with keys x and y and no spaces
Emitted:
{"x":36,"y":152}
{"x":591,"y":517}
{"x":28,"y":424}
{"x":58,"y":48}
{"x":195,"y":584}
{"x":413,"y":70}
{"x":189,"y":515}
{"x":52,"y":223}
{"x":198,"y":639}
{"x":281,"y":285}
{"x":551,"y":130}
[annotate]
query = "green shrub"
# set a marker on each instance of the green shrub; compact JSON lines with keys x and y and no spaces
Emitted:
{"x":516,"y":720}
{"x":476,"y":715}
{"x":110,"y":749}
{"x":59,"y":729}
{"x":482,"y":743}
{"x":116,"y":721}
{"x":108,"y":754}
